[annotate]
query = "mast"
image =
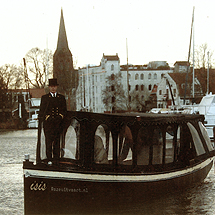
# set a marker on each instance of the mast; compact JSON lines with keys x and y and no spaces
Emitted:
{"x":47,"y":62}
{"x":188,"y":66}
{"x":193,"y":58}
{"x":27,"y":86}
{"x":208,"y":75}
{"x":88,"y":89}
{"x":127,"y":77}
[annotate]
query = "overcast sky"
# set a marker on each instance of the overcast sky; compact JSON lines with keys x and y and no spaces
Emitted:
{"x":156,"y":30}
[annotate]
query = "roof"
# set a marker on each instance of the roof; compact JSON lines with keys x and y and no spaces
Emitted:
{"x":111,"y":57}
{"x":182,"y":63}
{"x":62,"y":38}
{"x":131,"y":118}
{"x":37,"y":93}
{"x":180,"y":79}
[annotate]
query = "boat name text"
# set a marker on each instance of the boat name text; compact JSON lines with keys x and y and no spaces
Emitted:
{"x":38,"y":186}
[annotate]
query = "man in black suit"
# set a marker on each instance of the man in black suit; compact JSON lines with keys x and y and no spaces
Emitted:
{"x":52,"y":112}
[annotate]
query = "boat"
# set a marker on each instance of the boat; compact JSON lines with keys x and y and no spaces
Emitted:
{"x":33,"y":120}
{"x":207,"y":108}
{"x":110,"y":157}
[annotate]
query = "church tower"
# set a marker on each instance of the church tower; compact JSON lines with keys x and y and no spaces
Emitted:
{"x":63,"y":68}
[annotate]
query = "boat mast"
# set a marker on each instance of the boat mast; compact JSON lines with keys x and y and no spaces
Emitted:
{"x":27,"y":86}
{"x":127,"y":77}
{"x":47,"y":63}
{"x":188,"y":66}
{"x":88,"y":89}
{"x":208,"y":75}
{"x":193,"y":58}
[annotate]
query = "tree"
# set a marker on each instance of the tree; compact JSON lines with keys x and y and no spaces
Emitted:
{"x":38,"y":62}
{"x":114,"y":97}
{"x":139,"y":99}
{"x":3,"y":94}
{"x":12,"y":76}
{"x":201,"y":56}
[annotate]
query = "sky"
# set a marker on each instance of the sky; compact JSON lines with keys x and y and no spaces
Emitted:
{"x":155,"y":30}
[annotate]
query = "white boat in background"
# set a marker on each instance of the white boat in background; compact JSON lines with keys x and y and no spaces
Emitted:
{"x":34,"y":110}
{"x":207,"y":108}
{"x":184,"y":109}
{"x":33,"y":121}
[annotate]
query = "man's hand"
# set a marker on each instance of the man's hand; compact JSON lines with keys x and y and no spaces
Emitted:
{"x":47,"y":116}
{"x":61,"y":115}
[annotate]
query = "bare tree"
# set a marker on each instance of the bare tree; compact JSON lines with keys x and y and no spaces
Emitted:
{"x":12,"y":76}
{"x":201,"y":56}
{"x":38,"y":63}
{"x":3,"y":94}
{"x":139,"y":99}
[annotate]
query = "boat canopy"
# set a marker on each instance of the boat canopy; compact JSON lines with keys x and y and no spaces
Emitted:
{"x":131,"y":142}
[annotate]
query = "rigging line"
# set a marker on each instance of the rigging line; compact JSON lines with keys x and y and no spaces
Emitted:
{"x":188,"y":64}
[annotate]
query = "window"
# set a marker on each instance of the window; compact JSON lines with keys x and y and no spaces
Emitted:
{"x":142,"y":76}
{"x":137,"y":87}
{"x":142,"y":87}
{"x":149,"y":76}
{"x":136,"y":77}
{"x":125,"y":145}
{"x":174,"y":92}
{"x":196,"y":140}
{"x":205,"y":135}
{"x":160,"y":92}
{"x":113,"y":99}
{"x":143,"y":143}
{"x":93,"y":79}
{"x":157,"y":142}
{"x":129,"y":98}
{"x":129,"y":87}
{"x":169,"y":156}
{"x":155,"y":76}
{"x":150,"y":87}
{"x":71,"y":145}
{"x":112,"y":67}
{"x":102,"y":146}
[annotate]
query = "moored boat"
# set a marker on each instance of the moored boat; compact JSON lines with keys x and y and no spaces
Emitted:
{"x":115,"y":156}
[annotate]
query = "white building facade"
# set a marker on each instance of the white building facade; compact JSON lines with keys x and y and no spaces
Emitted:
{"x":92,"y":81}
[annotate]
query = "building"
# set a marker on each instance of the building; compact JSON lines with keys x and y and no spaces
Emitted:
{"x":181,"y":66}
{"x":63,"y":68}
{"x":171,"y":90}
{"x":92,"y":82}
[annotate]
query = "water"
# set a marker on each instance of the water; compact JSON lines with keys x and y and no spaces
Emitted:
{"x":14,"y":144}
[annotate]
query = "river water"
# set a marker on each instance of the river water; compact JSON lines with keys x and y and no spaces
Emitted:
{"x":14,"y":144}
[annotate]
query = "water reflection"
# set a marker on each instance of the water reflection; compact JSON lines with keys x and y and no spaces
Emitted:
{"x":13,"y":146}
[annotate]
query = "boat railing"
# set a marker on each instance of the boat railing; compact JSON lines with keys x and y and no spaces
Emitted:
{"x":130,"y":142}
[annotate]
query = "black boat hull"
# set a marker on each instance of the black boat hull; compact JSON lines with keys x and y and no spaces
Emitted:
{"x":54,"y":192}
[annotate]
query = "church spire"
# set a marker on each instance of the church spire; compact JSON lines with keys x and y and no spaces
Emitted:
{"x":63,"y":69}
{"x":62,"y":38}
